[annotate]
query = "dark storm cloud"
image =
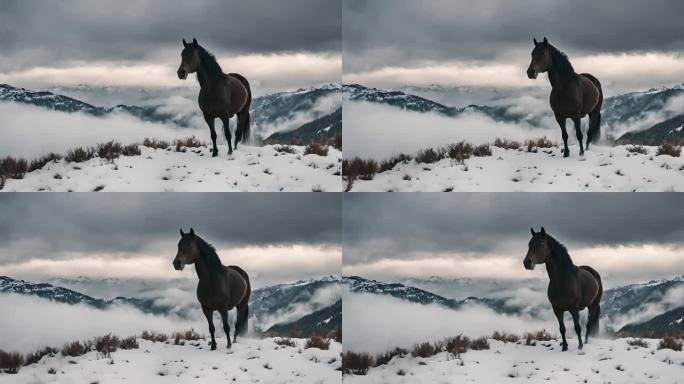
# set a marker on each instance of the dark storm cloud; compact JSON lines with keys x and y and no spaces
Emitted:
{"x":399,"y":226}
{"x":43,"y":32}
{"x":50,"y":226}
{"x":405,"y":32}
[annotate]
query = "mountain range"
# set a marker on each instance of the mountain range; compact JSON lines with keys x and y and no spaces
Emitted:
{"x":302,"y":116}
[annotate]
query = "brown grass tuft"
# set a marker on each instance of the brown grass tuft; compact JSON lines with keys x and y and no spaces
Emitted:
{"x":316,"y":149}
{"x":542,"y":142}
{"x":79,"y":155}
{"x":460,"y":151}
{"x":505,"y":337}
{"x":285,"y":341}
{"x":385,"y":358}
{"x":154,"y":336}
{"x":424,"y":350}
{"x":35,"y":357}
{"x":75,"y":349}
{"x":155,"y":144}
{"x":637,"y":342}
{"x":356,"y":363}
{"x":669,"y":342}
{"x":637,"y":149}
{"x":358,"y":168}
{"x":11,"y":362}
{"x":669,"y":149}
{"x":129,"y":343}
{"x":507,"y":144}
{"x":430,"y":155}
{"x":317,"y":342}
{"x":106,"y":344}
{"x":11,"y":168}
{"x":40,"y":162}
{"x":390,"y":163}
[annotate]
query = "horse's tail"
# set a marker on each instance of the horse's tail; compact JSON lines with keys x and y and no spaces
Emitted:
{"x":241,"y":324}
{"x":243,"y":116}
{"x":595,"y":115}
{"x":595,"y":306}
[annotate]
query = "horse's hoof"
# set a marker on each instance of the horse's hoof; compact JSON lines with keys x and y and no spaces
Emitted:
{"x":565,"y":348}
{"x":581,"y":346}
{"x":229,"y":346}
{"x":566,"y":154}
{"x":213,"y":347}
{"x":214,"y":154}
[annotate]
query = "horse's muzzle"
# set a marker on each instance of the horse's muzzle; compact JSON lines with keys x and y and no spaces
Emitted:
{"x":178,"y":265}
{"x":529,"y":264}
{"x":531,"y":73}
{"x":182,"y":74}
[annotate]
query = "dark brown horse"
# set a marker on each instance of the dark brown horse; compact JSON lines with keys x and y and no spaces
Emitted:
{"x":220,"y":288}
{"x":573,"y":95}
{"x":571,"y":288}
{"x":221,"y":96}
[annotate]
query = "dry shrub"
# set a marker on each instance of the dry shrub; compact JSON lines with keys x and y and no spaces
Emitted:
{"x":542,"y":142}
{"x":460,"y":151}
{"x":669,"y":342}
{"x":390,"y":163}
{"x":479,"y":344}
{"x":285,"y":149}
{"x":35,"y":357}
{"x":131,"y":150}
{"x":109,"y":151}
{"x":11,"y":362}
{"x":317,"y":342}
{"x":385,"y":358}
{"x":482,"y":151}
{"x":637,"y":149}
{"x":106,"y":344}
{"x":12,"y":168}
{"x":505,"y":337}
{"x":79,"y":155}
{"x":669,"y":149}
{"x":506,"y":144}
{"x":75,"y":349}
{"x":189,"y":142}
{"x":40,"y":162}
{"x":285,"y":341}
{"x":129,"y":343}
{"x":637,"y":342}
{"x":358,"y":168}
{"x":537,"y":336}
{"x":190,"y":335}
{"x":154,"y":336}
{"x":155,"y":144}
{"x":356,"y":363}
{"x":424,"y":350}
{"x":457,"y":345}
{"x":429,"y":156}
{"x":316,"y":149}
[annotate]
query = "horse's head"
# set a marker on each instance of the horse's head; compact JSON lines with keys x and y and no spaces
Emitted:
{"x":190,"y":59}
{"x":538,"y":250}
{"x":188,"y":250}
{"x":541,"y":59}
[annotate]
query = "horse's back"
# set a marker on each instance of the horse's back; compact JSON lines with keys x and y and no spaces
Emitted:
{"x":240,"y":94}
{"x":591,"y":93}
{"x":238,"y":285}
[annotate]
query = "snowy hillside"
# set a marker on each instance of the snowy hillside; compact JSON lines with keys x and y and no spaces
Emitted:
{"x":609,"y":169}
{"x":249,"y":361}
{"x":601,"y":361}
{"x":158,"y":170}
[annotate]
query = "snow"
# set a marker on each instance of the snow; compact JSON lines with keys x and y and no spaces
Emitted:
{"x":248,"y":361}
{"x":601,"y":168}
{"x":157,"y":170}
{"x":601,"y":361}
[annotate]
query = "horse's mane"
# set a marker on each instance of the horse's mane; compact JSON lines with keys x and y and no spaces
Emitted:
{"x":209,"y":255}
{"x":560,"y":254}
{"x":561,"y":63}
{"x":209,"y":63}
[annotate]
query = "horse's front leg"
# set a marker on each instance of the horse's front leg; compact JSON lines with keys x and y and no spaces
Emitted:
{"x":226,"y":131}
{"x":575,"y":319}
{"x":561,"y":122}
{"x":208,"y":313}
{"x":578,"y":133}
{"x":210,"y":122}
{"x":561,"y":326}
{"x":226,"y":327}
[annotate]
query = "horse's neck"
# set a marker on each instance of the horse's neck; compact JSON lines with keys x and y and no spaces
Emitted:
{"x":555,"y":270}
{"x":202,"y":269}
{"x":205,"y":79}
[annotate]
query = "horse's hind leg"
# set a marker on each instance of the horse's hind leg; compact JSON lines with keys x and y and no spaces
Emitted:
{"x":208,"y":313}
{"x":578,"y":133}
{"x":561,"y":326}
{"x":242,"y":316}
{"x":578,"y":329}
{"x":226,"y":131}
{"x":594,"y":124}
{"x":564,"y":132}
{"x":592,"y":324}
{"x":226,"y":327}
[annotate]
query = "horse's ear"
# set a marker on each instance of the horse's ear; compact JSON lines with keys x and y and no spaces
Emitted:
{"x":534,"y":39}
{"x":532,"y":230}
{"x":194,"y":41}
{"x":546,"y":42}
{"x":192,"y":232}
{"x":543,"y":231}
{"x":185,"y":43}
{"x":181,"y":231}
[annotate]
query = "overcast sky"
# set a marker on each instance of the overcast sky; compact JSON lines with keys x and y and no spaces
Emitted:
{"x":627,"y":43}
{"x":290,"y":236}
{"x":290,"y":44}
{"x":630,"y":237}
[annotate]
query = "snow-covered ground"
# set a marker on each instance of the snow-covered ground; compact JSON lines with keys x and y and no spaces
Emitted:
{"x":601,"y":168}
{"x":157,"y":170}
{"x":249,"y":361}
{"x":601,"y":361}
